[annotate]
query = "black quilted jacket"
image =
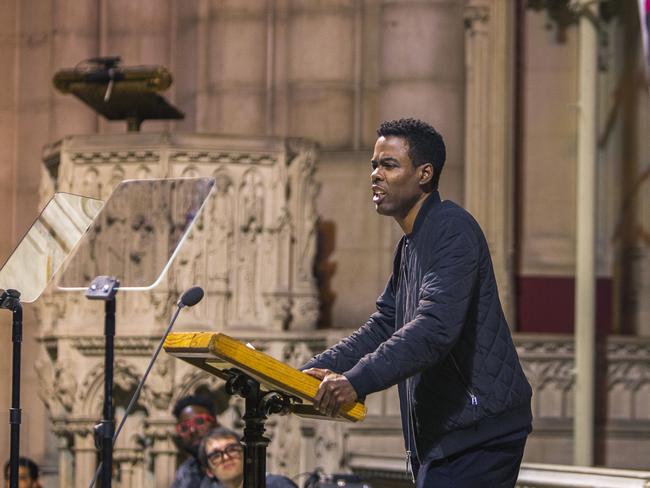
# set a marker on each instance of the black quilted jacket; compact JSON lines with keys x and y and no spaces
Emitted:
{"x":440,"y":334}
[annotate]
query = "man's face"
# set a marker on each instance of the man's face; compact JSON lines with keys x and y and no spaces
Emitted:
{"x":225,"y":459}
{"x":194,"y":423}
{"x":24,"y":479}
{"x":395,"y":181}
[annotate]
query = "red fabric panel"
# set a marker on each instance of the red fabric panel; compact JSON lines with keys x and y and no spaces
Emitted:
{"x":545,"y":304}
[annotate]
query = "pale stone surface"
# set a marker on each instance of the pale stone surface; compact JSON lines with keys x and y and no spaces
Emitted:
{"x":489,"y":47}
{"x":642,"y":204}
{"x":414,"y":83}
{"x":18,"y":201}
{"x":365,"y":241}
{"x":550,"y":152}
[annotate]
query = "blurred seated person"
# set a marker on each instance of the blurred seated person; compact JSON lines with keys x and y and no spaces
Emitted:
{"x":222,"y":456}
{"x":27,"y":473}
{"x":195,"y":417}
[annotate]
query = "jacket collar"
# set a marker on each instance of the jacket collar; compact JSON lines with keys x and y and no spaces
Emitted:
{"x":426,"y":207}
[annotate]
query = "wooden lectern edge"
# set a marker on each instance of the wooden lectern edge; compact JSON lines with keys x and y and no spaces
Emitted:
{"x":306,"y":387}
{"x":187,"y":341}
{"x":197,"y":347}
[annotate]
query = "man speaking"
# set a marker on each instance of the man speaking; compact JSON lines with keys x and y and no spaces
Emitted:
{"x":439,"y":331}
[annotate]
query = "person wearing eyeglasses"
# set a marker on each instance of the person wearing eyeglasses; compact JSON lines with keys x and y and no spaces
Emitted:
{"x":221,"y":454}
{"x":195,"y":417}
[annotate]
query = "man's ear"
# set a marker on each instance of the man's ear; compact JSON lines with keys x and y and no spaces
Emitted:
{"x":426,"y":173}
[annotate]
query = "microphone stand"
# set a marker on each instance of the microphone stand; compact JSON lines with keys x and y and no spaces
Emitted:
{"x":104,"y":288}
{"x":10,"y":299}
{"x":190,"y":298}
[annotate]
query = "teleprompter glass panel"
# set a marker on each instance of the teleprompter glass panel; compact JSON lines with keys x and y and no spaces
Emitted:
{"x":47,"y":243}
{"x":137,"y":233}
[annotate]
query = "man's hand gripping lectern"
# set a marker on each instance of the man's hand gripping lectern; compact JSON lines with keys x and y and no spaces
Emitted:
{"x":268,"y":385}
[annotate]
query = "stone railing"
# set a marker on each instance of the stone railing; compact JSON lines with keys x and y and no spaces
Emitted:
{"x":623,"y":433}
{"x":531,"y":475}
{"x":552,"y":475}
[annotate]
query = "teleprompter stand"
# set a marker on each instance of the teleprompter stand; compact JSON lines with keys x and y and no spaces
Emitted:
{"x":104,"y":288}
{"x":268,"y":386}
{"x":10,"y":300}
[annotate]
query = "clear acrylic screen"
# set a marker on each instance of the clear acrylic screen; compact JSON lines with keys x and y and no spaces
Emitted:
{"x":47,"y":243}
{"x":137,"y":232}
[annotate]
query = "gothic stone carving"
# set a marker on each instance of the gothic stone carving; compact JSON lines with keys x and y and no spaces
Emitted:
{"x":252,"y":250}
{"x":253,"y":247}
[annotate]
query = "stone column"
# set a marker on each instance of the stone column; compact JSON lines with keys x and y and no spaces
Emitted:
{"x":129,"y":463}
{"x":66,"y":460}
{"x":632,"y":232}
{"x":307,"y":445}
{"x":302,"y":210}
{"x":163,"y":451}
{"x":585,"y":284}
{"x":489,"y":40}
{"x":85,"y":455}
{"x":643,"y":315}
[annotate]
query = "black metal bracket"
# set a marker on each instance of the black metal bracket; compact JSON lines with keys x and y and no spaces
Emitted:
{"x":102,"y":432}
{"x":9,"y":299}
{"x":103,"y":288}
{"x":15,"y":416}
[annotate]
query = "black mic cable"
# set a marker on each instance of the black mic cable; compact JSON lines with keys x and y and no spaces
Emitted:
{"x":190,"y":298}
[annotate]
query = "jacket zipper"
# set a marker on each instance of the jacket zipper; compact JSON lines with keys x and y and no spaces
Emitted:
{"x":411,"y":434}
{"x":411,"y":430}
{"x":473,"y":398}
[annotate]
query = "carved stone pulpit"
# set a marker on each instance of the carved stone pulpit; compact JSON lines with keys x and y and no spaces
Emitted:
{"x":252,"y":250}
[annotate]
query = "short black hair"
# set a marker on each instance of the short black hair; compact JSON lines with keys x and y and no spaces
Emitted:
{"x":188,"y":400}
{"x":216,"y":433}
{"x":31,"y":466}
{"x":425,"y":143}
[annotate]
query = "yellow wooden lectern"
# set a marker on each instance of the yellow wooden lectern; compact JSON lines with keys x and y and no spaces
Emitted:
{"x":218,"y":354}
{"x":268,"y":385}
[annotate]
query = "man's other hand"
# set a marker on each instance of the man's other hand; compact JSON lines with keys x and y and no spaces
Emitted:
{"x":334,"y":391}
{"x":317,"y":373}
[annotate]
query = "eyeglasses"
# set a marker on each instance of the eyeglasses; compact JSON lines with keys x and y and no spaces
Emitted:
{"x":199,"y":420}
{"x":231,"y":450}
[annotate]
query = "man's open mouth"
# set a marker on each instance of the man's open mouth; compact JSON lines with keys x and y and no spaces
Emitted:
{"x":378,"y":194}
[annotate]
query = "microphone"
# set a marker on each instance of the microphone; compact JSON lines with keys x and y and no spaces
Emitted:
{"x":188,"y":299}
{"x":191,"y":297}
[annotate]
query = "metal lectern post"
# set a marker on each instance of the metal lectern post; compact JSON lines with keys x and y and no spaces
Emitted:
{"x":258,"y":405}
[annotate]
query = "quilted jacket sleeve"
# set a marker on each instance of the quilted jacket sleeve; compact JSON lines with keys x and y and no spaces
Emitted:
{"x":444,"y":300}
{"x":379,"y":327}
